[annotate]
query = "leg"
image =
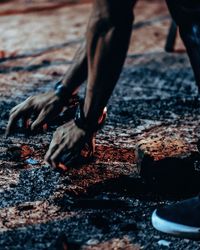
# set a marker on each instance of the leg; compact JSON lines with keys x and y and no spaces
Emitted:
{"x":171,"y":38}
{"x":49,"y":105}
{"x":183,"y":218}
{"x":187,"y":16}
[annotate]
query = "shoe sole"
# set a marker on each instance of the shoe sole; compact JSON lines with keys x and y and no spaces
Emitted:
{"x":174,"y":228}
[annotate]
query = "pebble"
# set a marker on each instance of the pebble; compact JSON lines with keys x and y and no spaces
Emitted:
{"x":32,"y":161}
{"x":164,"y":243}
{"x":92,"y":242}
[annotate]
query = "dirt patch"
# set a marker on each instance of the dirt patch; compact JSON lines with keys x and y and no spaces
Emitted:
{"x":105,"y":204}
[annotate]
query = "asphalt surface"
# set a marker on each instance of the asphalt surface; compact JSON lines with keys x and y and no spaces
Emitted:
{"x":104,"y":204}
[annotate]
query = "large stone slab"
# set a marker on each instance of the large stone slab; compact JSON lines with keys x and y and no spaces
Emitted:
{"x":166,"y":155}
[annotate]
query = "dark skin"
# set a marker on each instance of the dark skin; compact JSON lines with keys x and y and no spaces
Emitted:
{"x":108,"y":35}
{"x":103,"y":35}
{"x":48,"y":105}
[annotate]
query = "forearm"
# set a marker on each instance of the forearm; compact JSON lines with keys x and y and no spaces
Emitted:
{"x":77,"y":72}
{"x":107,"y":45}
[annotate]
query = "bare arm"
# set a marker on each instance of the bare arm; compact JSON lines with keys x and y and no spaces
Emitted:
{"x":77,"y":72}
{"x":47,"y":106}
{"x":108,"y":38}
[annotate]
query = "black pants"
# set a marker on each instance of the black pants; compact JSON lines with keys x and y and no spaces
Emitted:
{"x":184,"y":11}
{"x":186,"y":14}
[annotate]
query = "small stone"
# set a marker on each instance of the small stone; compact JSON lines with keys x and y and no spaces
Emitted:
{"x":164,"y":243}
{"x":31,"y":161}
{"x":127,"y":98}
{"x":92,"y":242}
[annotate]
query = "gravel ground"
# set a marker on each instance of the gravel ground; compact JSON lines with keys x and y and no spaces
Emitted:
{"x":105,"y":204}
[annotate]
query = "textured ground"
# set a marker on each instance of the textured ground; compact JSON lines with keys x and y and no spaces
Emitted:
{"x":104,"y":204}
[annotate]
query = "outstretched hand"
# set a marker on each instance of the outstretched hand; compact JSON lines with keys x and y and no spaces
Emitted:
{"x":43,"y":107}
{"x":66,"y":145}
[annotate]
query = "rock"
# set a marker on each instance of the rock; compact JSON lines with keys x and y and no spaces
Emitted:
{"x":166,"y":155}
{"x":92,"y":242}
{"x":164,"y":243}
{"x":32,"y":161}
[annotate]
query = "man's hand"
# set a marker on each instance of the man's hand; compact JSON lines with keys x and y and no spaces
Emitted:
{"x":43,"y":107}
{"x":66,"y":145}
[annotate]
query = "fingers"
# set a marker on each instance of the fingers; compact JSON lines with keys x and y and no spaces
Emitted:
{"x":55,"y":157}
{"x":60,"y":154}
{"x":52,"y":148}
{"x":14,"y":117}
{"x":66,"y":145}
{"x":20,"y":111}
{"x":44,"y":117}
{"x":15,"y":108}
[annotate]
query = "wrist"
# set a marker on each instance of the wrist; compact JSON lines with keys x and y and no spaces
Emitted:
{"x":63,"y":94}
{"x":89,"y":126}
